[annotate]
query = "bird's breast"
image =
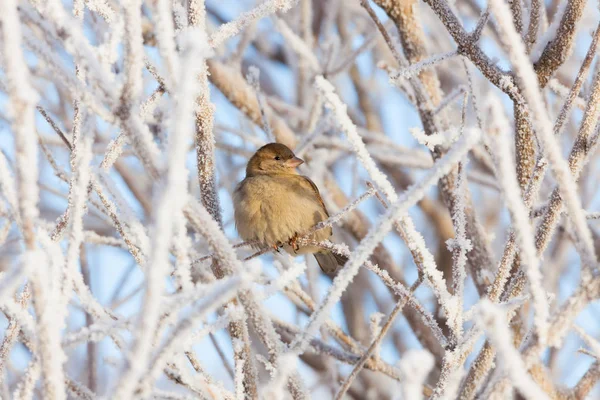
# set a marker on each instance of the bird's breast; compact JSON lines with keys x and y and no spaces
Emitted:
{"x":271,"y":209}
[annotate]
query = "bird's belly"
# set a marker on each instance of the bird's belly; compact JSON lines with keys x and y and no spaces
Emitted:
{"x":277,"y":218}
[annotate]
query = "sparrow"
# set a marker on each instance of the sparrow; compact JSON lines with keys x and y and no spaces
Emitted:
{"x":274,"y":204}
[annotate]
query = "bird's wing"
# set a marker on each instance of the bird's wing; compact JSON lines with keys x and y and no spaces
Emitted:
{"x":316,"y":190}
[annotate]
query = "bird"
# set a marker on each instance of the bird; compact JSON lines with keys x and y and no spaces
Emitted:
{"x":274,"y":204}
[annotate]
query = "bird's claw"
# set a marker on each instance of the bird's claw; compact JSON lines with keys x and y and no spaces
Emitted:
{"x":293,"y":242}
{"x":276,"y":246}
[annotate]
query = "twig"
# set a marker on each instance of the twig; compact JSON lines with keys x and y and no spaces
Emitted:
{"x":375,"y":343}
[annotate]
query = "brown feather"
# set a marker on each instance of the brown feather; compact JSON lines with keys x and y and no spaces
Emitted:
{"x":327,"y":262}
{"x":316,"y":189}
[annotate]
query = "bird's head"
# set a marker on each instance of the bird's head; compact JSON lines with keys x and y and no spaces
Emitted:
{"x":273,"y":158}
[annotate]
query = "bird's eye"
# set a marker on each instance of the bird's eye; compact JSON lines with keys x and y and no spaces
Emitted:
{"x":277,"y":158}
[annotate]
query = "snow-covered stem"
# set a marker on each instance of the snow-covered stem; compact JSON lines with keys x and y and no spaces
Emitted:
{"x":205,"y":225}
{"x":92,"y":98}
{"x":253,"y":79}
{"x":528,"y":81}
{"x":590,"y":341}
{"x":112,"y":211}
{"x":247,"y":37}
{"x":412,"y":38}
{"x":45,"y":285}
{"x":587,"y":382}
{"x":55,"y":127}
{"x":579,"y":80}
{"x":81,"y":157}
{"x":414,"y":69}
{"x":428,"y":95}
{"x":115,"y":147}
{"x":297,"y":44}
{"x":537,"y":7}
{"x":26,"y":386}
{"x":557,"y":40}
{"x":414,"y":368}
{"x":570,"y":99}
{"x":45,"y":294}
{"x":449,"y":99}
{"x":204,"y":139}
{"x":205,"y":159}
{"x":165,"y":37}
{"x":560,"y":324}
{"x":563,"y":91}
{"x":523,"y":230}
{"x":491,"y":318}
{"x":12,"y":331}
{"x":459,"y":246}
{"x":415,"y":241}
{"x":374,"y":344}
{"x":360,"y":256}
{"x":182,"y":246}
{"x":232,"y":28}
{"x":169,"y":201}
{"x":78,"y":45}
{"x":425,"y":87}
{"x":79,"y":390}
{"x":340,"y":110}
{"x":103,"y":8}
{"x":23,"y":98}
{"x":140,"y":135}
{"x":117,"y":77}
{"x":369,"y":42}
{"x":182,"y":336}
{"x":8,"y":189}
{"x":577,"y":159}
{"x":230,"y":82}
{"x":320,"y":347}
{"x":399,"y":289}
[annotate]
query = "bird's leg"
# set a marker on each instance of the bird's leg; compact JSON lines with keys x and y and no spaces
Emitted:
{"x":293,"y":242}
{"x":276,"y":246}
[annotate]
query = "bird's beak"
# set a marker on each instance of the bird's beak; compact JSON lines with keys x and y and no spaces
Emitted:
{"x":294,"y":162}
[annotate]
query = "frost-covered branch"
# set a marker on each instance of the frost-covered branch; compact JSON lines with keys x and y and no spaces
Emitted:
{"x":125,"y":128}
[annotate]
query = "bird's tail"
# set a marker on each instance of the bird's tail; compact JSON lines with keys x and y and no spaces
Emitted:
{"x":329,"y":261}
